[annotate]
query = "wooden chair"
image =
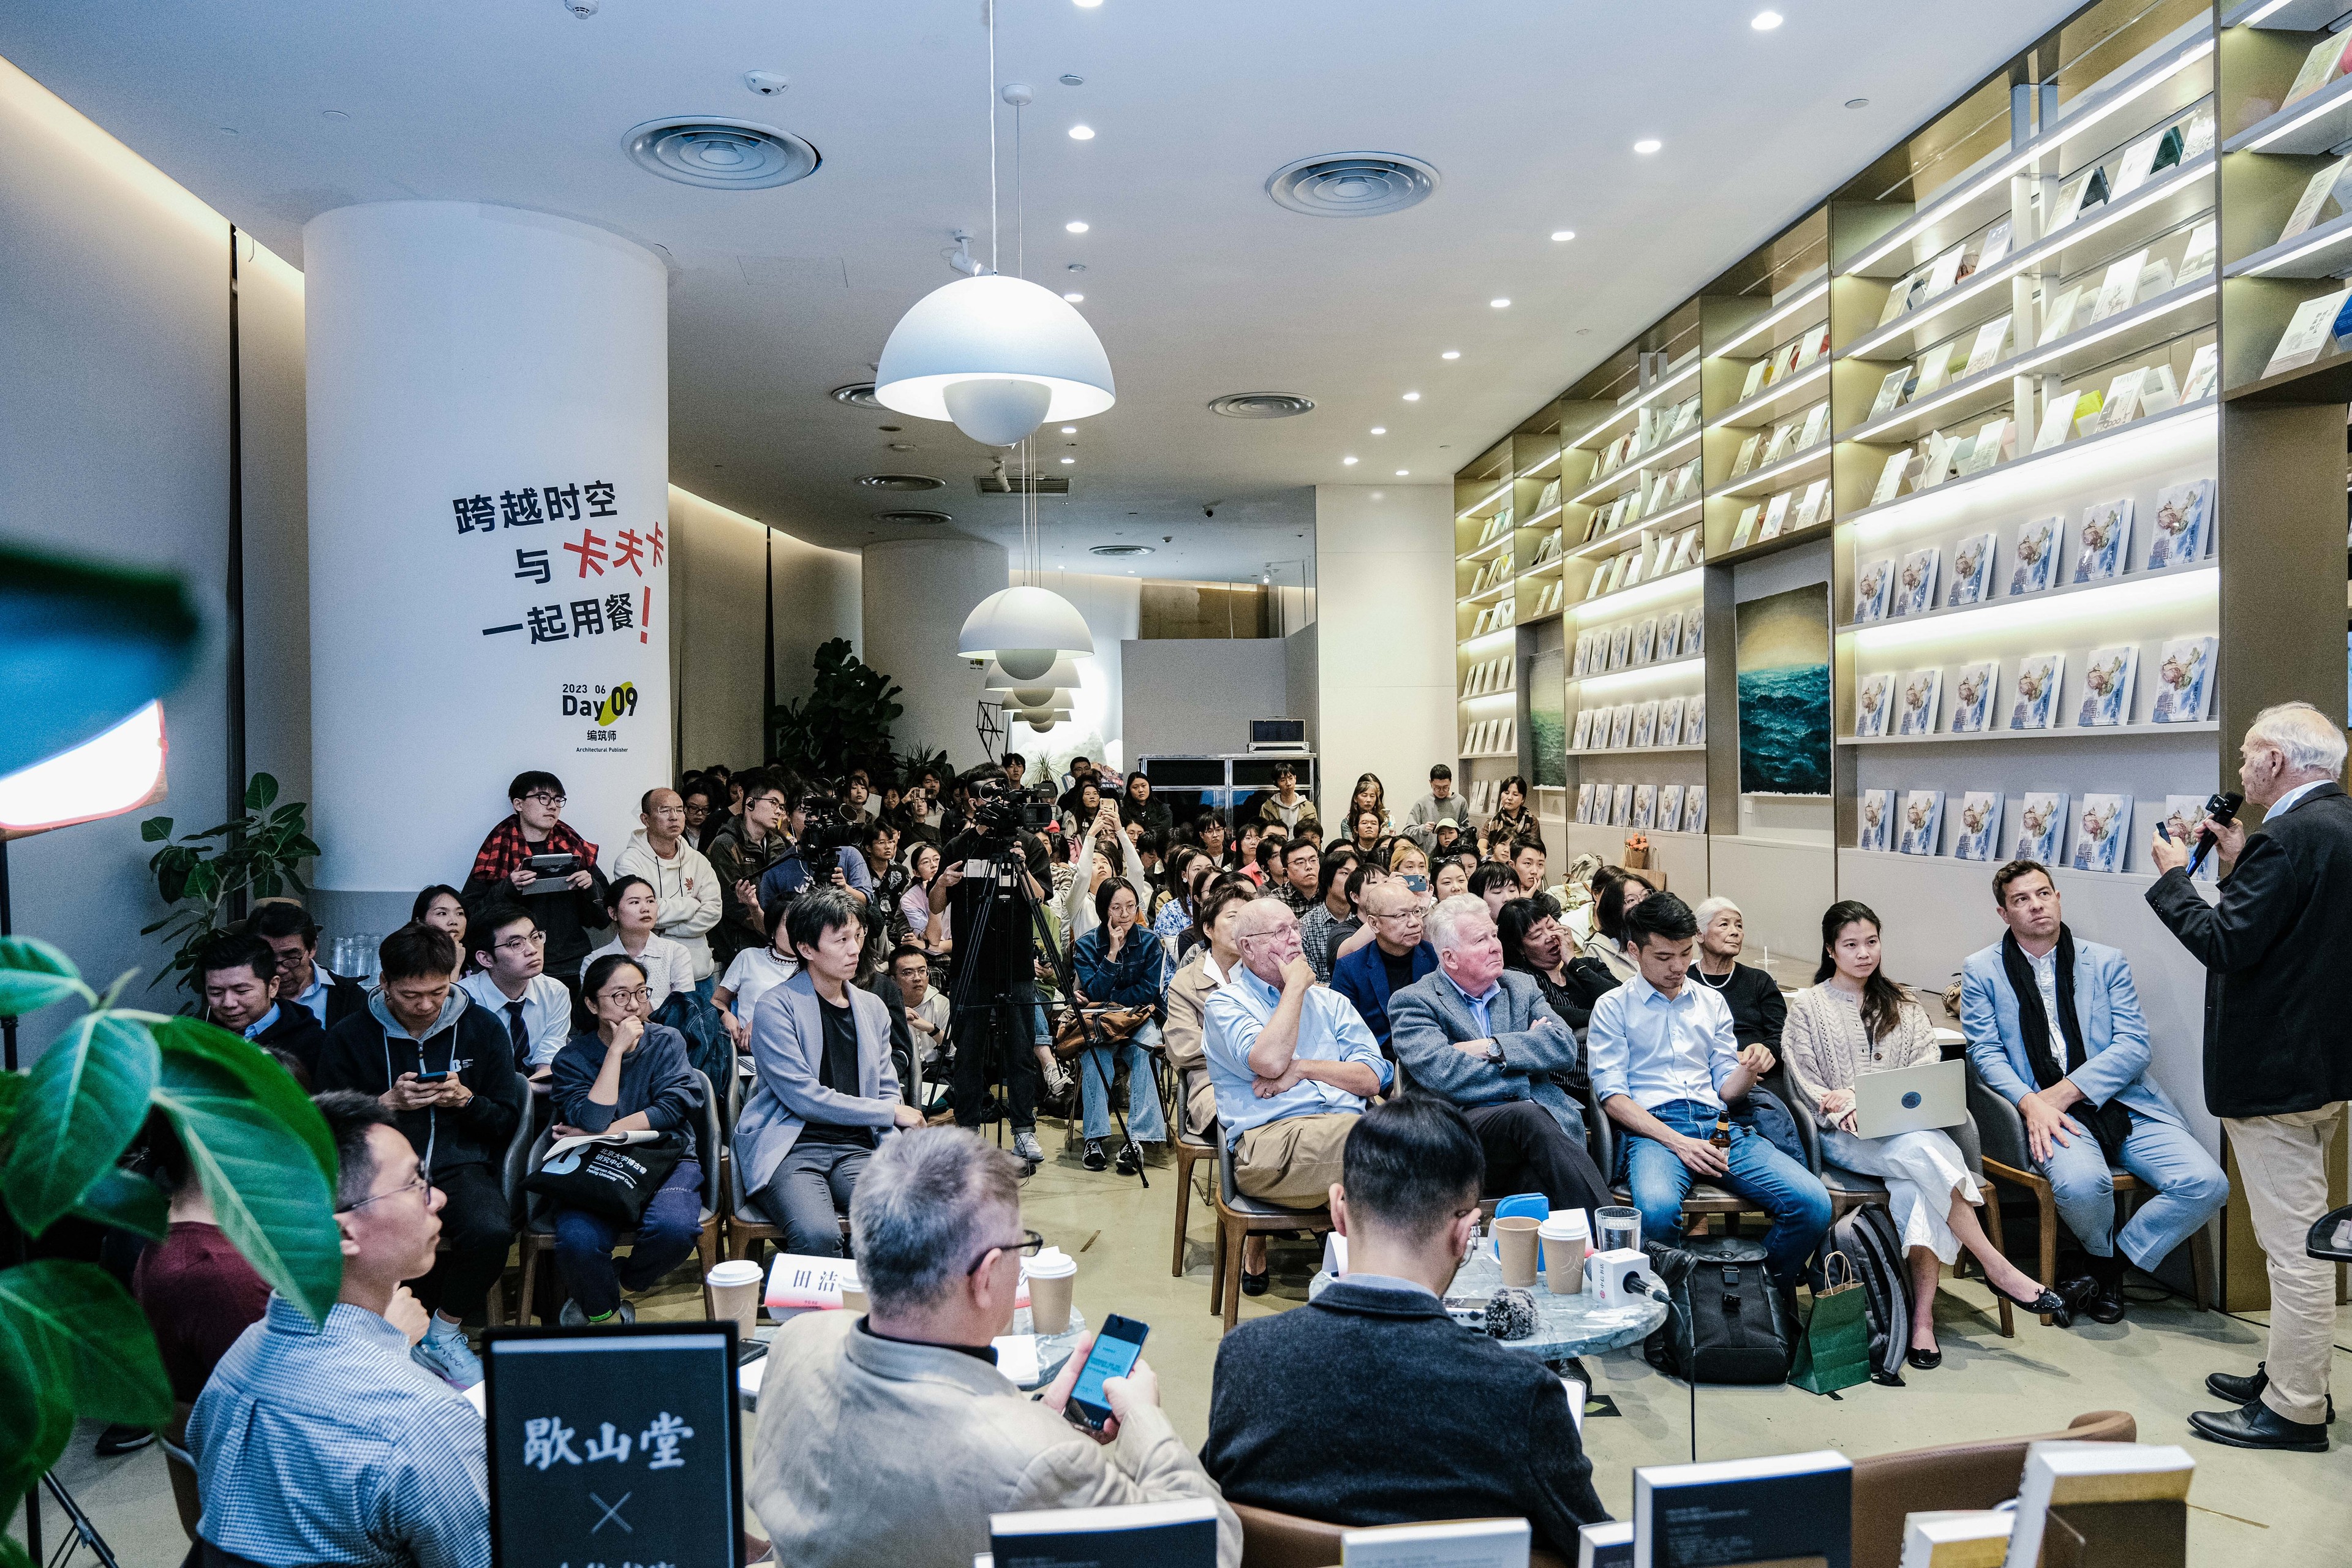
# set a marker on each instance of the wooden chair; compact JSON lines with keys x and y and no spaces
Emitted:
{"x":1190,"y":1150}
{"x":1272,"y":1539}
{"x":2007,"y":1157}
{"x":1703,"y":1198}
{"x":538,"y":1235}
{"x":1981,"y":1475}
{"x":1239,"y":1217}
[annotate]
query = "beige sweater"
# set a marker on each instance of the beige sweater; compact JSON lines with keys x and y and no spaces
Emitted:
{"x":1825,"y":1048}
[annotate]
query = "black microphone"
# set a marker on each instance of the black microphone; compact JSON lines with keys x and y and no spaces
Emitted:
{"x":2222,"y":808}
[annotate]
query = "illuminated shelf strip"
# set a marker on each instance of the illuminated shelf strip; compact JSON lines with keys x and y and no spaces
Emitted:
{"x":1600,"y":545}
{"x":1483,"y":638}
{"x":1508,"y":691}
{"x":1636,"y":465}
{"x":2287,"y":122}
{"x":1630,"y":677}
{"x":1487,"y":595}
{"x":1640,"y":593}
{"x":2055,"y":732}
{"x":1500,"y":542}
{"x":1760,"y":478}
{"x":1485,"y":756}
{"x":1632,"y":752}
{"x":1532,"y":470}
{"x":1536,"y":521}
{"x":1774,"y":392}
{"x":1492,"y":497}
{"x":1780,"y":313}
{"x":2336,"y":231}
{"x":1639,"y":404}
{"x":2120,"y":588}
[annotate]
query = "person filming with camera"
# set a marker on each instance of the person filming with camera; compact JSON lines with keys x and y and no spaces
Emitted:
{"x":821,"y":847}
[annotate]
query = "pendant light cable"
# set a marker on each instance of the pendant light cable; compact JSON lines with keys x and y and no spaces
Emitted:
{"x":991,"y":8}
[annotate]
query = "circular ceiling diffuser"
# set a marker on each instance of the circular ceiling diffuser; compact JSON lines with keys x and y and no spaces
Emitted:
{"x":900,"y":483}
{"x":858,"y":395}
{"x":720,"y":155}
{"x":926,"y":519}
{"x":1119,"y":551}
{"x":1261,"y":404}
{"x":1351,"y":185}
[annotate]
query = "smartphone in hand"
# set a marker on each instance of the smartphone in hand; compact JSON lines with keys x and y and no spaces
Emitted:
{"x":1116,"y":1351}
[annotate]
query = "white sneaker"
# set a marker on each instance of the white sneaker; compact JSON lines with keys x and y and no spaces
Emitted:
{"x":1025,"y":1145}
{"x":444,"y":1349}
{"x":1057,"y":1080}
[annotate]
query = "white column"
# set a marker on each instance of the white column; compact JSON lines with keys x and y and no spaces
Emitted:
{"x":1384,"y":638}
{"x":917,"y":593}
{"x":488,"y":455}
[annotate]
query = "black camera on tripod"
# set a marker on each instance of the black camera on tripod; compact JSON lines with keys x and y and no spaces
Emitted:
{"x":827,"y":825}
{"x":1001,"y":812}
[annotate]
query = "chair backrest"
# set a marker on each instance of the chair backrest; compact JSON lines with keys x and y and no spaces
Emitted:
{"x":709,"y":1138}
{"x":1809,"y":1132}
{"x":1272,"y":1539}
{"x":519,"y":1160}
{"x":1886,"y":1487}
{"x":1230,"y":1192}
{"x":1600,"y":1133}
{"x":1999,"y":1128}
{"x":1189,"y":1079}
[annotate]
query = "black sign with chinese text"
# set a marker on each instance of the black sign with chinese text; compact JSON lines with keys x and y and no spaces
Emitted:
{"x":615,"y":1446}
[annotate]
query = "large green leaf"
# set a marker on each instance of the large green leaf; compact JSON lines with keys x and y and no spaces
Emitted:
{"x":269,"y":1085}
{"x":38,"y":1424}
{"x":32,"y":974}
{"x":86,"y":1099}
{"x":86,"y":1339}
{"x":127,"y":1201}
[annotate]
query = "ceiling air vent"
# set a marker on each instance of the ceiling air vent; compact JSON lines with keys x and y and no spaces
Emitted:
{"x":1117,"y":551}
{"x":858,"y":395}
{"x":1015,"y":485}
{"x":925,"y":519}
{"x":900,"y":483}
{"x":1351,"y":185}
{"x":720,"y":155}
{"x":1261,"y":404}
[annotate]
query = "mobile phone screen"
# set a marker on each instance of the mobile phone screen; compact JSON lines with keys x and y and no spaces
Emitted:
{"x":1114,"y":1355}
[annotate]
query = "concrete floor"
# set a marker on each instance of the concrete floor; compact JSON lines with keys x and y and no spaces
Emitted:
{"x":2279,"y":1510}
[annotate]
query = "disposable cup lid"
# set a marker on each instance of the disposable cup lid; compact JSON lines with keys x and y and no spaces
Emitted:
{"x":1051,"y":1263}
{"x":734,"y":1271}
{"x":1564,"y":1225}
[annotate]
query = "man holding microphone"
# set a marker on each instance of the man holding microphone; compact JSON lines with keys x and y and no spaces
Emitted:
{"x":2278,"y":1068}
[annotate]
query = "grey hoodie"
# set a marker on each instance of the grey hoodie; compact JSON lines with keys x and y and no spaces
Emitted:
{"x":370,"y":1050}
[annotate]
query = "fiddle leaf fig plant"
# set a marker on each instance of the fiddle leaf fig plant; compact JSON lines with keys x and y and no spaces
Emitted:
{"x":843,"y":721}
{"x":258,"y":856}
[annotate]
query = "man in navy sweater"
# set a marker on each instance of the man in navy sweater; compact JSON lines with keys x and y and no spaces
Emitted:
{"x":1304,"y":1416}
{"x":1392,"y":960}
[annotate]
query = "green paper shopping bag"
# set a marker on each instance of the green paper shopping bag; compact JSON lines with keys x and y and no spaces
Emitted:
{"x":1835,"y":1351}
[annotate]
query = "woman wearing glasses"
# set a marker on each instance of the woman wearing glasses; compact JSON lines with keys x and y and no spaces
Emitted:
{"x":628,"y":1076}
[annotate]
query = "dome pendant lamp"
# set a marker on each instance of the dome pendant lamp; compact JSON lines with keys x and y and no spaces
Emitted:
{"x":1025,"y":629}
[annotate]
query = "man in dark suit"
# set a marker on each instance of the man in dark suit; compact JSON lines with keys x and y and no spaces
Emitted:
{"x":293,"y":936}
{"x":237,"y":977}
{"x":1304,"y":1414}
{"x":1484,"y":1038}
{"x":1392,"y":960}
{"x":2278,"y":1068}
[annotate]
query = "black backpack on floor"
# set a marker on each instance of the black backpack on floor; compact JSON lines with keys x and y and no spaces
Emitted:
{"x":1727,"y":1321}
{"x":1868,"y":1239}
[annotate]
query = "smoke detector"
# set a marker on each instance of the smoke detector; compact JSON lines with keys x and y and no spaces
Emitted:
{"x":767,"y":84}
{"x":1119,"y":552}
{"x":1261,"y":404}
{"x":858,"y":395}
{"x":925,"y":519}
{"x":1351,"y":185}
{"x":720,"y":155}
{"x":900,"y":483}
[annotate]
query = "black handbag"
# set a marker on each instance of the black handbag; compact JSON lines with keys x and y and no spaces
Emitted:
{"x":614,"y":1180}
{"x":1727,"y":1321}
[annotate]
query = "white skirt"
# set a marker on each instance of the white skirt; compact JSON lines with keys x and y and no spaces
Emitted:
{"x":1921,"y":1169}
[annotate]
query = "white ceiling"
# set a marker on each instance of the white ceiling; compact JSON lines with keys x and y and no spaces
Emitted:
{"x":1197,"y":283}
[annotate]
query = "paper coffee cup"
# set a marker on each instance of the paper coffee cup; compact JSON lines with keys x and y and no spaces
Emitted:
{"x":1515,"y":1237}
{"x":735,"y":1293}
{"x":1564,"y":1245}
{"x":1053,"y":1277}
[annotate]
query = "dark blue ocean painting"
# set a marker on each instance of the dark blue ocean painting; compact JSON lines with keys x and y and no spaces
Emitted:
{"x":1784,"y":730}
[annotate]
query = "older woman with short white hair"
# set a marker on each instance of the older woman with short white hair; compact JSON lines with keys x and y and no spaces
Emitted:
{"x":1758,"y":1011}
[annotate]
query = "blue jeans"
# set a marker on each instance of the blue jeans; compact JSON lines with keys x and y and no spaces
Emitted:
{"x":2189,"y":1188}
{"x":1145,"y":1121}
{"x":671,"y":1225}
{"x":1792,"y":1195}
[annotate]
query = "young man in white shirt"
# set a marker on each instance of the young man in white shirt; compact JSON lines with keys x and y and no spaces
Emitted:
{"x":512,"y":984}
{"x":926,"y":1011}
{"x":685,"y":889}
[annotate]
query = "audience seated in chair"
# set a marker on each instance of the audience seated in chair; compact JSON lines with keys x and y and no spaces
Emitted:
{"x":1203,"y":975}
{"x":626,"y":1075}
{"x":826,"y":1092}
{"x":2083,"y":1090}
{"x":891,"y":1436}
{"x":1758,"y":1011}
{"x":1664,"y":1067}
{"x":1292,"y":1065}
{"x":1120,"y":964}
{"x":511,"y":983}
{"x":237,"y":977}
{"x":1395,"y":957}
{"x":1482,"y":1037}
{"x":1370,"y":1406}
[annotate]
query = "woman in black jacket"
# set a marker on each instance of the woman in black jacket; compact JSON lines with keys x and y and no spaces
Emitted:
{"x":1136,"y":804}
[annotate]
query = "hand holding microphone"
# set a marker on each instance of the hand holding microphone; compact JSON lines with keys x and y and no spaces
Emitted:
{"x":2221,"y":828}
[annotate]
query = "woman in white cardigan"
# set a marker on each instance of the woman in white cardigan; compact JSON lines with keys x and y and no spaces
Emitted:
{"x":1854,"y":1021}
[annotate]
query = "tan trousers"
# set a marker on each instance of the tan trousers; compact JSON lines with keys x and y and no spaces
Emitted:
{"x":1293,"y":1162}
{"x":2283,"y":1161}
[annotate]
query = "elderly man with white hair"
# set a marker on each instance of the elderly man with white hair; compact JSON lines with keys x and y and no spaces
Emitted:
{"x":2278,"y":1063}
{"x":1758,"y":1011}
{"x":1483,"y":1036}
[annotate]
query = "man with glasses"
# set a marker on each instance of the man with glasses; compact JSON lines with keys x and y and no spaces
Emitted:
{"x":686,"y":887}
{"x":1392,"y":960}
{"x":1292,"y":1065}
{"x":891,"y":1436}
{"x":740,"y":856}
{"x":567,"y":905}
{"x":302,"y":981}
{"x":324,"y":1442}
{"x":445,"y":1069}
{"x":511,"y":983}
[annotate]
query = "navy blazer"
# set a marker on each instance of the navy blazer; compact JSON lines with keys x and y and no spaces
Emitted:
{"x":1363,"y":980}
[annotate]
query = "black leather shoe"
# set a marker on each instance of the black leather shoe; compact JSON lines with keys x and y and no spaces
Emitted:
{"x":1253,"y":1283}
{"x":119,"y":1439}
{"x":2102,"y":1303}
{"x":2049,"y":1301}
{"x":2257,"y":1425}
{"x":1926,"y":1361}
{"x":2245,"y":1390}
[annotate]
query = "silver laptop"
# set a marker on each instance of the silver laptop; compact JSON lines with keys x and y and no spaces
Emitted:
{"x":1908,"y":1099}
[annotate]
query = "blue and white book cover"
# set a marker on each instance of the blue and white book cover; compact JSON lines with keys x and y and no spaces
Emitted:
{"x":2102,"y":831}
{"x":1976,"y":833}
{"x":1621,"y":802}
{"x":1670,"y":722}
{"x":1921,"y":825}
{"x":2184,"y":819}
{"x":2039,"y":675}
{"x":2107,"y":687}
{"x":1875,"y":810}
{"x":2041,"y":826}
{"x":1645,"y":807}
{"x":1915,"y":584}
{"x":1972,"y":580}
{"x":1921,"y":704}
{"x":1670,"y":634}
{"x":1670,"y":808}
{"x":1871,"y":699}
{"x":1972,"y":698}
{"x":1695,"y":809}
{"x":2037,"y":545}
{"x":1585,"y":802}
{"x":2184,"y":686}
{"x":2104,"y":541}
{"x":2180,"y":531}
{"x":1873,"y":585}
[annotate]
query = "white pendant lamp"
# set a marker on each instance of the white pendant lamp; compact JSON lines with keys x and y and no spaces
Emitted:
{"x":1025,"y":629}
{"x":1063,"y":675}
{"x":997,"y":355}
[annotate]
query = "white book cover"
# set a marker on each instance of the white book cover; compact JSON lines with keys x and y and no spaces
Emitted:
{"x":1783,"y":441}
{"x":2307,"y":332}
{"x":1637,"y":565}
{"x":2319,"y":67}
{"x":1996,"y":245}
{"x":2180,"y":531}
{"x":1645,"y":724}
{"x":1748,"y":450}
{"x":1873,"y":699}
{"x":1976,"y":832}
{"x":1915,"y":584}
{"x":2196,"y":261}
{"x":2102,"y":831}
{"x":1670,"y":808}
{"x":1670,"y":722}
{"x":1890,"y":477}
{"x":1921,"y":703}
{"x":2157,"y":390}
{"x":1694,"y":634}
{"x":2155,"y":279}
{"x":1621,"y":804}
{"x":2102,"y":543}
{"x":1582,"y":663}
{"x":1809,"y":349}
{"x":1645,"y":641}
{"x":2121,"y":405}
{"x":2039,"y":675}
{"x":2200,"y":140}
{"x":1816,"y":500}
{"x":1972,"y":568}
{"x":1645,"y":807}
{"x":1620,"y":645}
{"x":1973,"y":694}
{"x":1583,"y":802}
{"x":2057,"y":1472}
{"x":2184,"y":819}
{"x":1890,"y":391}
{"x":1872,"y":591}
{"x":1954,"y":1538}
{"x":1985,"y":352}
{"x":2184,"y":686}
{"x":2317,"y":192}
{"x":2037,"y":548}
{"x":1898,"y":298}
{"x":1687,"y":479}
{"x":1817,"y":427}
{"x":1946,"y":270}
{"x":1935,"y":365}
{"x":1688,"y":550}
{"x":2041,"y":826}
{"x":1459,"y":1544}
{"x":1755,"y":382}
{"x":1776,"y":514}
{"x":1874,"y":819}
{"x":2060,"y":320}
{"x":1941,"y":451}
{"x":2139,"y":159}
{"x":1694,"y":721}
{"x":1695,"y":809}
{"x":2086,"y":190}
{"x":1584,"y":736}
{"x":1745,"y":533}
{"x":1621,"y":726}
{"x":2057,"y":422}
{"x":1670,"y":634}
{"x":1921,"y":825}
{"x":1996,"y":443}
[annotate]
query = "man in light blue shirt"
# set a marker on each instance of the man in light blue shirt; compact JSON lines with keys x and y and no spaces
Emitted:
{"x":1664,"y":1064}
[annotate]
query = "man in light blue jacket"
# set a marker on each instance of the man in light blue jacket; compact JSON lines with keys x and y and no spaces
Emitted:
{"x":2083,"y":1088}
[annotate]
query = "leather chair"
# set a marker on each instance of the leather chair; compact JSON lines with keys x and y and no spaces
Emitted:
{"x":2007,"y":1158}
{"x":1886,"y":1487}
{"x":1702,"y":1199}
{"x":1239,"y":1217}
{"x":1190,"y":1152}
{"x":539,"y":1235}
{"x":513,"y":1166}
{"x":1272,"y":1539}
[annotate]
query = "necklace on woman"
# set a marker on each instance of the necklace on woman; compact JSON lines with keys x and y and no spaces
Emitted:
{"x":1722,"y":984}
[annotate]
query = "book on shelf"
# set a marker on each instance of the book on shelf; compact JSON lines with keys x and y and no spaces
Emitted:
{"x":2039,"y":675}
{"x":1645,"y":640}
{"x":1943,"y":273}
{"x":2307,"y":333}
{"x":2184,"y":817}
{"x":1915,"y":584}
{"x":2320,"y":67}
{"x":1755,"y":382}
{"x":2317,"y":192}
{"x":1891,"y":391}
{"x":2037,"y":547}
{"x":2200,"y":138}
{"x":1178,"y":1535}
{"x":2102,"y":831}
{"x":1456,"y":1544}
{"x":1996,"y":246}
{"x":2059,"y":320}
{"x":2103,"y":540}
{"x":1549,"y":498}
{"x":1769,"y":1509}
{"x":1785,"y":363}
{"x":1637,"y":563}
{"x":1873,"y":819}
{"x":1972,"y":569}
{"x":1694,"y":808}
{"x":2158,"y":391}
{"x":1891,"y":477}
{"x":1745,"y":530}
{"x":2184,"y":686}
{"x":2196,"y":261}
{"x":1670,"y":634}
{"x":1579,"y":664}
{"x":2057,"y":421}
{"x":2041,"y":826}
{"x":1973,"y":695}
{"x":1670,"y":722}
{"x":1994,"y":442}
{"x":1645,"y":724}
{"x":1816,"y":429}
{"x":1670,"y":808}
{"x":1584,"y":789}
{"x":2180,"y":531}
{"x":1584,"y":736}
{"x":1782,"y":442}
{"x":1873,"y":585}
{"x":2139,"y":160}
{"x":1935,"y":367}
{"x":1776,"y":515}
{"x":2120,"y":287}
{"x":1941,"y":451}
{"x":1644,"y":814}
{"x":1621,"y":804}
{"x":1921,"y":825}
{"x":1815,"y":503}
{"x":1694,"y":721}
{"x":1690,"y":548}
{"x":1921,"y":703}
{"x":1620,"y":645}
{"x":1621,"y":727}
{"x":2107,"y":677}
{"x":2077,"y":196}
{"x":1976,"y":831}
{"x":1748,"y":449}
{"x":1956,"y":1537}
{"x":2118,"y":406}
{"x":1874,"y":698}
{"x":2155,"y":279}
{"x":1811,"y":347}
{"x":1985,"y":351}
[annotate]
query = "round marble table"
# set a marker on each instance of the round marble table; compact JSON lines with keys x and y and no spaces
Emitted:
{"x":1566,"y":1326}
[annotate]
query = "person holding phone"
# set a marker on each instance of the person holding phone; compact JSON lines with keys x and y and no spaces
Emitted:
{"x":537,"y":831}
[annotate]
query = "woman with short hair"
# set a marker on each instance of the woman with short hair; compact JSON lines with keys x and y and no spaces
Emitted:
{"x":1120,"y":965}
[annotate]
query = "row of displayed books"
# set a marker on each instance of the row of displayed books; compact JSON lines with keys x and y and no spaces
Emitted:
{"x":1662,"y":492}
{"x":1647,"y":807}
{"x":1490,"y":736}
{"x":2315,"y":325}
{"x":1654,"y":427}
{"x":2328,"y":60}
{"x":1554,"y":593}
{"x":1488,"y":677}
{"x":1502,"y":613}
{"x":1911,"y":822}
{"x":2181,"y":535}
{"x":1912,"y":703}
{"x":1640,"y":726}
{"x":1798,"y":353}
{"x":1547,"y":552}
{"x":1497,"y":526}
{"x":1631,"y":644}
{"x":1784,"y":513}
{"x":1647,"y":558}
{"x":1491,"y":575}
{"x":1483,"y":793}
{"x":1799,"y":433}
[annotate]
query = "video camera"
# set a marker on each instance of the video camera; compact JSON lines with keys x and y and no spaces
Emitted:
{"x":1000,"y":811}
{"x":827,"y":824}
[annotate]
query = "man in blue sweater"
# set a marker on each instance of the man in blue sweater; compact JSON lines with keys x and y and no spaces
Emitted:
{"x":1304,"y":1414}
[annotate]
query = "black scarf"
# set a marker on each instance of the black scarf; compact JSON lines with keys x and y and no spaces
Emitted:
{"x":2109,"y":1123}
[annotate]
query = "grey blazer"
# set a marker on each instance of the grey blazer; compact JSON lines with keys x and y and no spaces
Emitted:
{"x":787,"y":1045}
{"x":1427,"y":1018}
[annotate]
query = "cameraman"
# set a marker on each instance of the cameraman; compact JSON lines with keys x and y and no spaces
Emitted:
{"x":994,"y":972}
{"x":817,"y":836}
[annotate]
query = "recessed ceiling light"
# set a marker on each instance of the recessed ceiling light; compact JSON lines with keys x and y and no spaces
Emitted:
{"x":1069,"y":430}
{"x":1068,"y":460}
{"x":1451,"y":354}
{"x":1348,"y":462}
{"x":1086,"y":4}
{"x":1766,"y":21}
{"x":1071,"y":79}
{"x":1402,"y":473}
{"x":1412,"y":397}
{"x":1076,"y":227}
{"x":1648,"y":145}
{"x":1074,"y":298}
{"x":1563,"y":233}
{"x":1379,"y":430}
{"x":1082,"y":133}
{"x":332,"y":114}
{"x":1500,"y":304}
{"x":1857,"y":103}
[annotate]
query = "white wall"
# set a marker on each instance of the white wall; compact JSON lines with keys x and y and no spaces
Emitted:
{"x":1384,"y":636}
{"x":917,"y":593}
{"x":1197,"y":695}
